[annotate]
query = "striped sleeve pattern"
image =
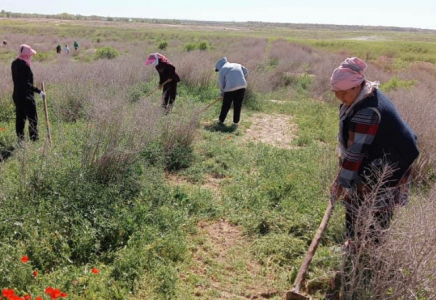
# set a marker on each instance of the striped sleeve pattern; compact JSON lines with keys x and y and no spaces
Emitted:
{"x":362,"y":130}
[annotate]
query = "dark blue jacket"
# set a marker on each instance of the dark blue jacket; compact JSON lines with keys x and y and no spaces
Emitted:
{"x":395,"y":142}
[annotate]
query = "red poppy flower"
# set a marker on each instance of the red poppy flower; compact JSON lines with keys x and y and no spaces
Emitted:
{"x":55,"y":294}
{"x":228,"y":138}
{"x":8,"y":293}
{"x":24,"y":259}
{"x":2,"y":129}
{"x":63,"y":295}
{"x":49,"y":290}
{"x":95,"y":270}
{"x":27,"y":297}
{"x":38,"y":298}
{"x":35,"y":273}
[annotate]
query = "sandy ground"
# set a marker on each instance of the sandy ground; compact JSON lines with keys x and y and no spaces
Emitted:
{"x":276,"y":130}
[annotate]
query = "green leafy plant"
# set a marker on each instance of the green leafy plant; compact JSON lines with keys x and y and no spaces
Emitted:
{"x":106,"y":52}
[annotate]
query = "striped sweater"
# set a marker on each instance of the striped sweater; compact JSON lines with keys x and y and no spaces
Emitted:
{"x":361,"y":132}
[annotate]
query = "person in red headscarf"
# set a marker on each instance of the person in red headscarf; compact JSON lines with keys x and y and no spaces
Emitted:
{"x":23,"y":95}
{"x":168,"y":79}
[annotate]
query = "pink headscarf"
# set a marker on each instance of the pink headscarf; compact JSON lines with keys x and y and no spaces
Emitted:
{"x":349,"y":74}
{"x":25,"y":53}
{"x":156,"y":57}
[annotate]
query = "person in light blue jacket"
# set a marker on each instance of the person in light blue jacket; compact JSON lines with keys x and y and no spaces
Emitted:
{"x":232,"y":83}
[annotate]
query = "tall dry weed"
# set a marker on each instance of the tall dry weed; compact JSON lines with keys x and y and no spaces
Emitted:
{"x":116,"y":135}
{"x":196,"y":68}
{"x":396,"y":262}
{"x":416,"y":106}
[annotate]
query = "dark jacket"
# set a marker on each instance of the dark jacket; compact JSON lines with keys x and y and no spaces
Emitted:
{"x":23,"y":82}
{"x":395,"y":142}
{"x":167,"y":71}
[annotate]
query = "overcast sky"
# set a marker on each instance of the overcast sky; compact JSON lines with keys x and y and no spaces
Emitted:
{"x":416,"y":13}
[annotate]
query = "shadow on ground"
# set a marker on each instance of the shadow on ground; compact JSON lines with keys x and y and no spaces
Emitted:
{"x":220,"y":128}
{"x":6,"y":151}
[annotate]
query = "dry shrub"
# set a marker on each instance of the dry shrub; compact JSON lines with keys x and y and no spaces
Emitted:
{"x":70,"y":86}
{"x":116,"y":136}
{"x":403,"y":266}
{"x":408,"y":257}
{"x":394,"y":263}
{"x":416,"y":106}
{"x":290,"y":57}
{"x":178,"y":135}
{"x":196,"y":68}
{"x":385,"y":63}
{"x":247,"y":51}
{"x":6,"y":85}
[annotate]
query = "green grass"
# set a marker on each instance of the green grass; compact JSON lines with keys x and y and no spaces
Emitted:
{"x":140,"y":228}
{"x":403,"y":51}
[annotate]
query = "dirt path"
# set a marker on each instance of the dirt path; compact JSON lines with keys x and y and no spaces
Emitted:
{"x":277,"y":130}
{"x":224,"y":267}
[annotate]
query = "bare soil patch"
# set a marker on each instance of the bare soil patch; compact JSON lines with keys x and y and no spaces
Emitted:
{"x":277,"y":130}
{"x":224,"y":266}
{"x":211,"y":182}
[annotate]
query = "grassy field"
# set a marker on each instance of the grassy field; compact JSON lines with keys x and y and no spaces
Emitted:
{"x":178,"y":207}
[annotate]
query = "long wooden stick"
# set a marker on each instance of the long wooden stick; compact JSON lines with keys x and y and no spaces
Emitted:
{"x":158,"y":88}
{"x":149,"y":94}
{"x":215,"y":101}
{"x":312,"y":248}
{"x":47,"y":122}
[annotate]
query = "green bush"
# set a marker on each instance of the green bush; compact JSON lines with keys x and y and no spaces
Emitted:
{"x":7,"y":108}
{"x":396,"y":83}
{"x":203,"y":46}
{"x":163,"y":45}
{"x":190,"y":47}
{"x":106,"y":52}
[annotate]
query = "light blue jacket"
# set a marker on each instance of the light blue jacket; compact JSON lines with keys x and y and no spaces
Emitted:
{"x":231,"y":76}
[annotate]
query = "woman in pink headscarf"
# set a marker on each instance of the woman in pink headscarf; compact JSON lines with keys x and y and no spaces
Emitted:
{"x":168,"y":79}
{"x":371,"y":136}
{"x":23,"y":95}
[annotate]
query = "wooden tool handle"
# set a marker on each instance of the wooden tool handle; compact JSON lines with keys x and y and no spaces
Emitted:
{"x":313,"y":246}
{"x":47,"y":122}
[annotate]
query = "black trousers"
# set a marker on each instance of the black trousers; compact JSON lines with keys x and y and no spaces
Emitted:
{"x":26,"y":110}
{"x":169,"y":95}
{"x":235,"y":97}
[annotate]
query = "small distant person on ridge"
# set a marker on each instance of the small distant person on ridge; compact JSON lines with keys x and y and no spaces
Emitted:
{"x":5,"y":42}
{"x":67,"y":49}
{"x":58,"y":49}
{"x":168,"y":79}
{"x":76,"y":45}
{"x":232,"y":83}
{"x":23,"y":94}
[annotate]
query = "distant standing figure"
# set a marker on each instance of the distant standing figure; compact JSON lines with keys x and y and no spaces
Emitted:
{"x":5,"y":42}
{"x":232,"y":83}
{"x":67,"y":49}
{"x":76,"y":45}
{"x":58,"y":49}
{"x":168,"y":79}
{"x":23,"y":94}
